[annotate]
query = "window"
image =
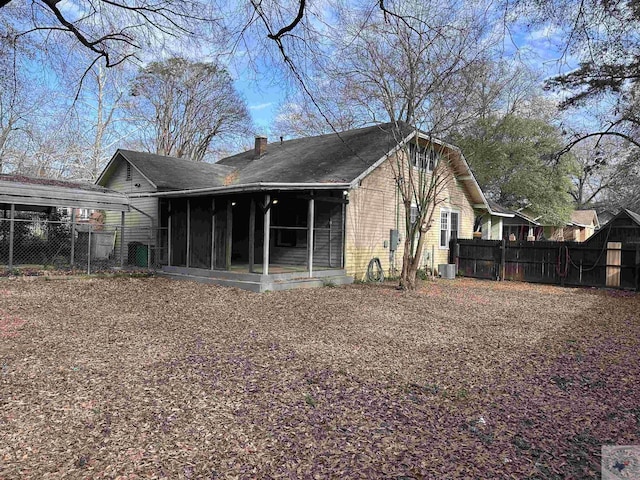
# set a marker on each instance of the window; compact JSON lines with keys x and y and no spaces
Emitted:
{"x":423,"y":157}
{"x":128,"y":171}
{"x":414,"y":214}
{"x":449,"y":226}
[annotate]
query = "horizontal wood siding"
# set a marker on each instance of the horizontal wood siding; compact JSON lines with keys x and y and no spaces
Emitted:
{"x":137,"y":225}
{"x":375,"y":208}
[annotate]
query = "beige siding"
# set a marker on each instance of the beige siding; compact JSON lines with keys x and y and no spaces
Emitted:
{"x":375,"y":208}
{"x":137,"y":225}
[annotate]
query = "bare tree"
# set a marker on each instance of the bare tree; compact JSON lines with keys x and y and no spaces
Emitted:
{"x":423,"y":171}
{"x":602,"y":35}
{"x":414,"y":67}
{"x":411,"y":63}
{"x":185,"y":105}
{"x":110,"y":30}
{"x":606,"y":170}
{"x":100,"y":122}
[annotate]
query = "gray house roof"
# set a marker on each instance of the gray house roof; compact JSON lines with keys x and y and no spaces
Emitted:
{"x":321,"y":162}
{"x":327,"y":158}
{"x":170,"y":173}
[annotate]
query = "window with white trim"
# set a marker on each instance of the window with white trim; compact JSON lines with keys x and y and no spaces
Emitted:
{"x":449,"y":226}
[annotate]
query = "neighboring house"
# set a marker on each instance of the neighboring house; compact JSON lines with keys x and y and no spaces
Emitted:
{"x":250,"y":213}
{"x":502,"y":223}
{"x":582,"y":225}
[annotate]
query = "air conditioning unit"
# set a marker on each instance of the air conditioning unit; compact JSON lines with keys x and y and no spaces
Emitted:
{"x":447,"y":270}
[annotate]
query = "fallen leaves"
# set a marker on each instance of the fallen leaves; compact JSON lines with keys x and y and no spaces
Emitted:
{"x":150,"y":378}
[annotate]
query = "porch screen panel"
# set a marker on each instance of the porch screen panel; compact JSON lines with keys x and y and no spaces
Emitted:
{"x":327,"y":245}
{"x":179,"y":232}
{"x":200,"y":240}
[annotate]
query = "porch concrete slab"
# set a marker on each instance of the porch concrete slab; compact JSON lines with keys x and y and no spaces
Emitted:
{"x":259,"y":283}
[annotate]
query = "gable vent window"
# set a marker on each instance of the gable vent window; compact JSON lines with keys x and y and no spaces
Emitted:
{"x":425,"y":158}
{"x":128,"y":171}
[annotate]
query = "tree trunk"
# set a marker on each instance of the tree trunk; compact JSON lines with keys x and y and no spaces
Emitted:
{"x":411,"y":263}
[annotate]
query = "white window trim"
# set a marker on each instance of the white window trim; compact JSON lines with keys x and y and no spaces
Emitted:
{"x":448,"y":210}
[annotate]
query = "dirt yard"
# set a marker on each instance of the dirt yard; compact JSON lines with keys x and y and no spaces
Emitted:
{"x":152,"y":378}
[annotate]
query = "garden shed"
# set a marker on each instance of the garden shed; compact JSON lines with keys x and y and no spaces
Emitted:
{"x":623,"y":227}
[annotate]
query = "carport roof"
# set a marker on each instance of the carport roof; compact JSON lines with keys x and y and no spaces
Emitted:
{"x":33,"y":193}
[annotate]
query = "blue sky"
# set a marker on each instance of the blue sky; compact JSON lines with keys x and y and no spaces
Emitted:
{"x":263,"y":100}
{"x":538,"y":47}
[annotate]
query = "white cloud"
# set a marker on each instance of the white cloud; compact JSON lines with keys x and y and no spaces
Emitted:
{"x":260,"y":106}
{"x":547,"y":32}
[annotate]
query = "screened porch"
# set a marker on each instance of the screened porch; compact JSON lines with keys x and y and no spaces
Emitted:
{"x":267,"y":233}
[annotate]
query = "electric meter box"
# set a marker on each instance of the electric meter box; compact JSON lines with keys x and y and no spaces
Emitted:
{"x":394,"y":239}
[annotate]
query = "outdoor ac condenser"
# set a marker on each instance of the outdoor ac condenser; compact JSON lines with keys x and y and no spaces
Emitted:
{"x":447,"y":270}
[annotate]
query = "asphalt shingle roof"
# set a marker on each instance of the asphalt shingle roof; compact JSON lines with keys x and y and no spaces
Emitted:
{"x":327,"y":158}
{"x":171,"y":173}
{"x":584,"y":217}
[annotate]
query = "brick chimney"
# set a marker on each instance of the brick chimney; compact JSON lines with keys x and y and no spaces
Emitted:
{"x":261,"y":146}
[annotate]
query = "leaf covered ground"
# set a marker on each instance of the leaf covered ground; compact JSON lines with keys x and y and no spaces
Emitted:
{"x":152,"y":378}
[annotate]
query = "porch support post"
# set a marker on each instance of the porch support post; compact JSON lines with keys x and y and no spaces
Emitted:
{"x":310,"y":218}
{"x":267,"y":228}
{"x":12,"y":218}
{"x":188,"y":232}
{"x":169,"y":220}
{"x":343,"y":237}
{"x":213,"y":233}
{"x":229,"y":239}
{"x":252,"y":233}
{"x":122,"y":239}
{"x":72,"y":254}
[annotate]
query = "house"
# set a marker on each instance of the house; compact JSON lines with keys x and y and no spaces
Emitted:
{"x":604,"y":215}
{"x":307,"y":208}
{"x":502,"y":223}
{"x":582,"y":225}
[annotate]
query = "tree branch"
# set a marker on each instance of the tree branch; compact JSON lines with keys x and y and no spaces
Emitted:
{"x":292,"y":25}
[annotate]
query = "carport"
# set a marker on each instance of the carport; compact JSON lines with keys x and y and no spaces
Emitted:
{"x":35,"y":194}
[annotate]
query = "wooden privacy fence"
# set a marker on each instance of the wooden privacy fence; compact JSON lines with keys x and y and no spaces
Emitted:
{"x":613,"y":264}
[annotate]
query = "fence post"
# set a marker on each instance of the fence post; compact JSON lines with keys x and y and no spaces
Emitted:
{"x":563,"y":264}
{"x":454,"y":251}
{"x":149,"y":247}
{"x":11,"y":234}
{"x":637,"y":267}
{"x":121,"y":239}
{"x":73,"y":238}
{"x":89,"y":252}
{"x":503,"y":258}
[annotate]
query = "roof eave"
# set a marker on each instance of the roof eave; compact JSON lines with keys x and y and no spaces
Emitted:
{"x":248,"y":187}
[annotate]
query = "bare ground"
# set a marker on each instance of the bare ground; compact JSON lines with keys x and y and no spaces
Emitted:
{"x":151,"y":378}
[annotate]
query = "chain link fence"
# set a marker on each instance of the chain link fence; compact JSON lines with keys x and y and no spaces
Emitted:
{"x":36,"y":242}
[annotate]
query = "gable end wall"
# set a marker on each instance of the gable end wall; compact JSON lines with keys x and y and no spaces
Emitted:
{"x":137,"y":225}
{"x":375,"y":208}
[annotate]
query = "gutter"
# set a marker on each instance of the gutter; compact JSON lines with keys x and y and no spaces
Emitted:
{"x":248,"y":187}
